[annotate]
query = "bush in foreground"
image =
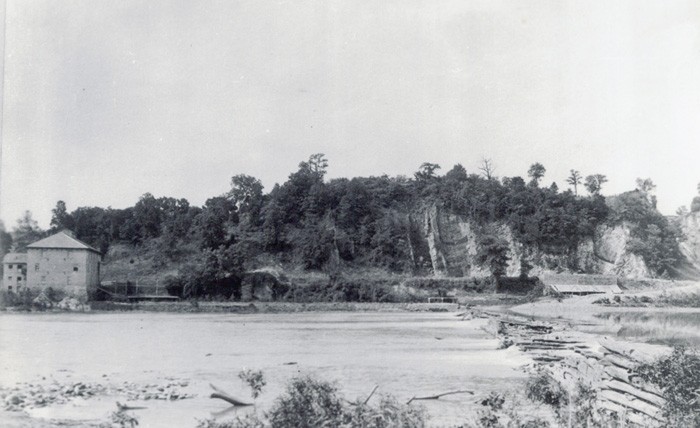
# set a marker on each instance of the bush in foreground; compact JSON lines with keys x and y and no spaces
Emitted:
{"x":310,"y":402}
{"x":678,"y":376}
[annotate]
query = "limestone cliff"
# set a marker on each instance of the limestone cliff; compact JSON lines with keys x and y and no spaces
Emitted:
{"x":452,"y":241}
{"x":690,"y":226}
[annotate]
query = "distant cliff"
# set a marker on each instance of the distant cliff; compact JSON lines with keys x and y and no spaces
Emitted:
{"x":690,"y":247}
{"x":453,"y":244}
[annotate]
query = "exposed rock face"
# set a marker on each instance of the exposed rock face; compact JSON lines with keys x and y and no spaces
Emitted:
{"x":611,"y":249}
{"x":452,"y":241}
{"x":690,"y":225}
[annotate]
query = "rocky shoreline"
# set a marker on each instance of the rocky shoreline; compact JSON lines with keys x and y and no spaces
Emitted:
{"x":571,"y":358}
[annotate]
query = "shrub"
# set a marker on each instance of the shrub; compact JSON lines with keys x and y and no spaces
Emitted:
{"x":390,"y":413}
{"x":310,"y":402}
{"x":121,"y":419}
{"x":254,"y":379}
{"x":247,"y":421}
{"x":678,"y":376}
{"x":544,"y":389}
{"x":307,"y":402}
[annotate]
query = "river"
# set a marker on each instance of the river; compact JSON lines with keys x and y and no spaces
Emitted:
{"x":406,"y":354}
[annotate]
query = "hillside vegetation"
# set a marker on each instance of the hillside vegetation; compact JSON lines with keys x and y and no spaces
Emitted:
{"x":383,"y":223}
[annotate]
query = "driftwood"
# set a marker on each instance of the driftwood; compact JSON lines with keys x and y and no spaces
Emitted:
{"x":370,"y":394}
{"x":124,"y":407}
{"x":435,"y":397}
{"x":218,"y":393}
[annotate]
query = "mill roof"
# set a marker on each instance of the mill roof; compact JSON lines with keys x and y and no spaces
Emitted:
{"x":15,"y":258}
{"x":587,"y":289}
{"x":62,"y":240}
{"x":577,"y":283}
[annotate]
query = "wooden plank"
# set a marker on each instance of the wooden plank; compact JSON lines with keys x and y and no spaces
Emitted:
{"x":624,"y":414}
{"x":618,"y":373}
{"x":620,"y":362}
{"x":633,"y":390}
{"x":631,"y":403}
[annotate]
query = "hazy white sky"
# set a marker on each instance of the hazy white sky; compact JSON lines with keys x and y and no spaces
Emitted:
{"x":107,"y":100}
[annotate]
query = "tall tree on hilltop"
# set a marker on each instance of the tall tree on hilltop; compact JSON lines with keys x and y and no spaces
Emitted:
{"x":647,"y":187}
{"x":487,"y":168}
{"x":317,"y":165}
{"x":574,"y":179}
{"x":247,"y":194}
{"x":458,"y":173}
{"x":426,"y":171}
{"x":536,"y":172}
{"x":60,"y":218}
{"x":594,"y":183}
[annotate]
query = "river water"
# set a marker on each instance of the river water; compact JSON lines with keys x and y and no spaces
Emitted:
{"x":406,"y":354}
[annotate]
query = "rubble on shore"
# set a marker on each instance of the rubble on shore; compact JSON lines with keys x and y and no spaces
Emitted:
{"x":29,"y":395}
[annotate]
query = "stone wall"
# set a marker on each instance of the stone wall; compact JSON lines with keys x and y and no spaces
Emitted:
{"x":67,"y":270}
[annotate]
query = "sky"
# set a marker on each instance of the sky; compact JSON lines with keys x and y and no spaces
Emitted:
{"x":106,"y":100}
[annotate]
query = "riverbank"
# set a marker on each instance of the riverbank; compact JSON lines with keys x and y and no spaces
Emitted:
{"x":406,"y":353}
{"x":223,"y":306}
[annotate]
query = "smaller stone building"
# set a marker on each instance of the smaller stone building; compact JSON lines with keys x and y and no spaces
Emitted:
{"x":63,"y":263}
{"x":14,"y":268}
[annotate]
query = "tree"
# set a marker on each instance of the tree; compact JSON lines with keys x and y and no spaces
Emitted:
{"x":247,"y":193}
{"x":493,"y":252}
{"x":5,"y":240}
{"x":594,"y":183}
{"x":682,"y":211}
{"x":695,"y":205}
{"x":25,"y":232}
{"x":645,"y":185}
{"x":536,"y":172}
{"x":212,"y":225}
{"x":458,"y":174}
{"x":147,"y":217}
{"x":60,"y":219}
{"x":487,"y":168}
{"x":426,"y":171}
{"x":574,"y":180}
{"x":315,"y":166}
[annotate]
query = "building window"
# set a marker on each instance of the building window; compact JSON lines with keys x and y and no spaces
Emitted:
{"x":75,"y":268}
{"x":9,"y":266}
{"x":9,"y":288}
{"x":19,"y":278}
{"x":36,"y":267}
{"x":10,"y":278}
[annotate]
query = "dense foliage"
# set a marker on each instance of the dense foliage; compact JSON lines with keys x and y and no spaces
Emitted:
{"x":363,"y":221}
{"x":652,"y":236}
{"x":678,"y":376}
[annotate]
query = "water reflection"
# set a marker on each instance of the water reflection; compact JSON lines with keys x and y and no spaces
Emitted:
{"x":665,"y":327}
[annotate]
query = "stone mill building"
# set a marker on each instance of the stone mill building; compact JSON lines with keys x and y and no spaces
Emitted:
{"x":63,"y":263}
